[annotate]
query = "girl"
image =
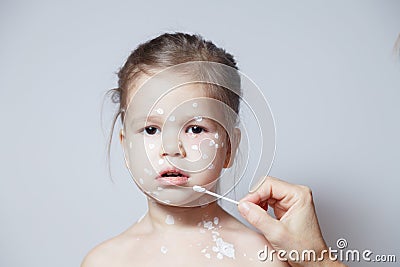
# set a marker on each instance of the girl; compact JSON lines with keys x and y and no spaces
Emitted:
{"x":178,"y":99}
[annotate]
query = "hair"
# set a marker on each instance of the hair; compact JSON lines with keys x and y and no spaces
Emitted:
{"x":171,"y":49}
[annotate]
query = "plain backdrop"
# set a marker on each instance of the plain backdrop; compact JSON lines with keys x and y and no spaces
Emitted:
{"x":327,"y":69}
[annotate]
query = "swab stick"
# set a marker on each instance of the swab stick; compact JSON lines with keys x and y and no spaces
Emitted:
{"x":200,"y":189}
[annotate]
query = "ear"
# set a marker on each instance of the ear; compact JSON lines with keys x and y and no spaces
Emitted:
{"x":121,"y":136}
{"x":232,"y":147}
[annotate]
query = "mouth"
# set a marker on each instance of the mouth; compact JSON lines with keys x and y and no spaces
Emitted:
{"x":172,"y":177}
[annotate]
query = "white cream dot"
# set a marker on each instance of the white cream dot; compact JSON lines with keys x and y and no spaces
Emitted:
{"x":195,"y":147}
{"x":164,"y":250}
{"x":151,"y":146}
{"x":220,"y":256}
{"x":160,"y":161}
{"x":155,"y":193}
{"x":222,"y":144}
{"x":147,"y":171}
{"x":160,"y":111}
{"x":141,"y":181}
{"x":211,"y":166}
{"x":195,"y":105}
{"x":198,"y":118}
{"x":212,"y":142}
{"x":205,"y":156}
{"x":216,"y":135}
{"x":208,"y":256}
{"x":169,"y":220}
{"x":216,"y":145}
{"x":130,"y":144}
{"x":159,"y":188}
{"x":171,"y":118}
{"x":216,"y":220}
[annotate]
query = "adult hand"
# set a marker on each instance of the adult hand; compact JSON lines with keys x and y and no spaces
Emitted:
{"x":296,"y":225}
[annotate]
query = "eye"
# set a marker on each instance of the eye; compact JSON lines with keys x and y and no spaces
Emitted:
{"x":195,"y":129}
{"x":151,"y":130}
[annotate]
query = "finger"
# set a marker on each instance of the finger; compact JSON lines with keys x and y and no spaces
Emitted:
{"x":273,"y":188}
{"x":259,"y":218}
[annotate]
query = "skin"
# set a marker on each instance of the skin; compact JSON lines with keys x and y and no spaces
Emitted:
{"x":152,"y":241}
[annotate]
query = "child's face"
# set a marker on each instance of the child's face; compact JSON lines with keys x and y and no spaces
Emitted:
{"x":175,"y":140}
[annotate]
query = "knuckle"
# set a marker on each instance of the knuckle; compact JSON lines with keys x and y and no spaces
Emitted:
{"x":306,"y":192}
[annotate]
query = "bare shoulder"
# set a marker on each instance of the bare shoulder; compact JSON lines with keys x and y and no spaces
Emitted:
{"x":110,"y":252}
{"x":250,"y":244}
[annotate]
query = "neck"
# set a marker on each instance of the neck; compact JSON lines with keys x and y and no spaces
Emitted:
{"x":163,"y":217}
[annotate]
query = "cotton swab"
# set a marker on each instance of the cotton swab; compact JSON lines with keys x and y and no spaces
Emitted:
{"x":200,"y":189}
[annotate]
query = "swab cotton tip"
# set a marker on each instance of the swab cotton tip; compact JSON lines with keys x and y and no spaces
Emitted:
{"x":199,"y":189}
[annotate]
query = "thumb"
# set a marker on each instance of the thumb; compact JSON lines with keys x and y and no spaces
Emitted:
{"x":259,"y":218}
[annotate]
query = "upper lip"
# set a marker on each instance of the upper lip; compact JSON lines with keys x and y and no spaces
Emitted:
{"x":173,"y":170}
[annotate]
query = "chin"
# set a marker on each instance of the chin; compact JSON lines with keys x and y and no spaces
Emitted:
{"x":184,"y":197}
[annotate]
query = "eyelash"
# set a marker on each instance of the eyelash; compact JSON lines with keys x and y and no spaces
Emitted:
{"x":186,"y":131}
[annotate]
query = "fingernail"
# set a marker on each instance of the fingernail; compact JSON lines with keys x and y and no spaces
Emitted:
{"x":244,"y":207}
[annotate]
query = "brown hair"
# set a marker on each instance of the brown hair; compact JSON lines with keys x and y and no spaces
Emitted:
{"x":170,"y":49}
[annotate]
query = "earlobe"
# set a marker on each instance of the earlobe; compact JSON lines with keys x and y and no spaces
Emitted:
{"x":121,"y":135}
{"x":232,"y":147}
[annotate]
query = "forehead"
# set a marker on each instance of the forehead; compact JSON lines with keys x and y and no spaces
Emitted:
{"x":170,"y":97}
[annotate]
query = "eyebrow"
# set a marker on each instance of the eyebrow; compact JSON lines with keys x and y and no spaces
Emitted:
{"x":144,"y":119}
{"x":158,"y":118}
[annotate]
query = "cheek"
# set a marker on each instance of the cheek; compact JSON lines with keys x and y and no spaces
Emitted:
{"x":206,"y":150}
{"x":143,"y":156}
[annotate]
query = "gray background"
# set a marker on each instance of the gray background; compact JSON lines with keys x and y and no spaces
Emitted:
{"x":326,"y":68}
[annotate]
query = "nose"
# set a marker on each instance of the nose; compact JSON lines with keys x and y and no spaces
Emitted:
{"x":172,"y":147}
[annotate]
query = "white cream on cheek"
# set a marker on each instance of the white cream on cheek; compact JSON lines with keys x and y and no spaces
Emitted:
{"x":148,"y":172}
{"x":195,"y":147}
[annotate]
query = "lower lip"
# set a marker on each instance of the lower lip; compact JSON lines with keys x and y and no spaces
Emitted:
{"x":179,"y":180}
